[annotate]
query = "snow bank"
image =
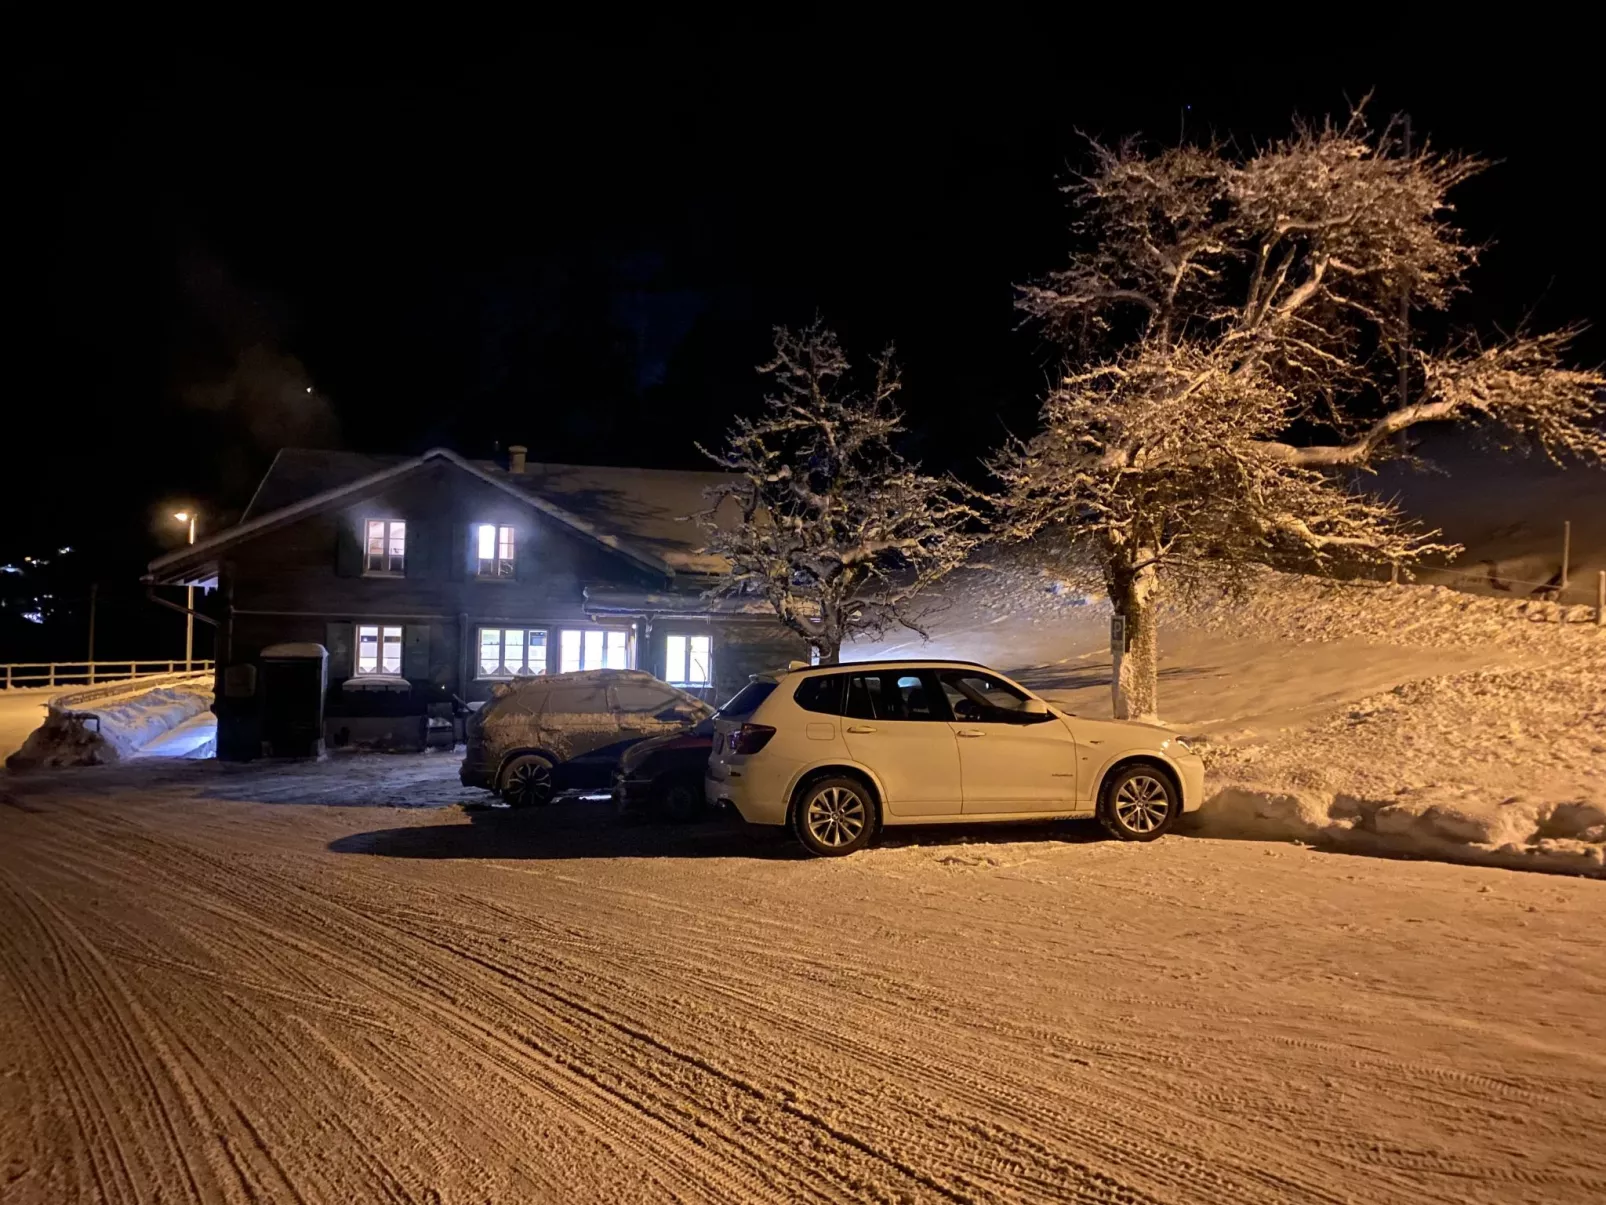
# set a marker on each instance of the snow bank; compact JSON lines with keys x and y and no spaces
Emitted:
{"x":126,"y":725}
{"x":1452,"y":825}
{"x":1300,"y":609}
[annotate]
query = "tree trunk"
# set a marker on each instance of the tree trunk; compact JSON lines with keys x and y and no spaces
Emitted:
{"x":1136,"y":685}
{"x":830,"y":654}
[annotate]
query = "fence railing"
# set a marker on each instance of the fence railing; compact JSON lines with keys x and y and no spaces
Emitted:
{"x":1488,"y":580}
{"x":20,"y":675}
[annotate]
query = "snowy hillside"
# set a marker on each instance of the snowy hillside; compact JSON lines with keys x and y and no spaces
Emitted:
{"x":1508,"y":513}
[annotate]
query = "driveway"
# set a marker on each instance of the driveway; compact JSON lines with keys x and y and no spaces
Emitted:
{"x":225,"y":983}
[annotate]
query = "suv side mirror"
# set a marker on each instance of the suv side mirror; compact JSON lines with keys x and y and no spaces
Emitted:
{"x":1034,"y":707}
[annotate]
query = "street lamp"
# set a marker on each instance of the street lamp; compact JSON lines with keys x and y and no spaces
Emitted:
{"x":188,"y":516}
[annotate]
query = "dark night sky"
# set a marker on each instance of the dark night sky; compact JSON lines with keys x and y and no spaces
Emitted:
{"x":582,"y":248}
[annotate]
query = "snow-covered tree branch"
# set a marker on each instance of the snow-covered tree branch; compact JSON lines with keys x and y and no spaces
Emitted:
{"x":836,"y":530}
{"x":1232,"y":338}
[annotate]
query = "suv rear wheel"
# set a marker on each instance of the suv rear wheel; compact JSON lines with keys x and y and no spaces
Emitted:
{"x":1138,"y":803}
{"x":834,"y":816}
{"x":527,"y":782}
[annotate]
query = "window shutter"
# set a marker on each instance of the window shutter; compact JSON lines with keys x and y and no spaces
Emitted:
{"x":420,"y":545}
{"x":459,"y":546}
{"x":337,"y":639}
{"x":415,"y":651}
{"x":348,"y":548}
{"x":523,"y":563}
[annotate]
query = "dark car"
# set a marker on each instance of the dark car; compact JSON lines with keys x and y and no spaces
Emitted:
{"x":663,"y":776}
{"x":542,"y":735}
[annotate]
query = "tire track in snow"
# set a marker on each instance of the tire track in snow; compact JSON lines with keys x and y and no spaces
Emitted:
{"x":616,"y":1031}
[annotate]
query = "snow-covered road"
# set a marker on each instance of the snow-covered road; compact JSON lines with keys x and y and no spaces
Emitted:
{"x":237,"y":983}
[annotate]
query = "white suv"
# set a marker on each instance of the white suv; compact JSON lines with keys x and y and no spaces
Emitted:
{"x":836,"y":752}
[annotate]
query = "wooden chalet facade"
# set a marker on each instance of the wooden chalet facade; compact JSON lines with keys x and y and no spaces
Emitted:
{"x":430,"y":579}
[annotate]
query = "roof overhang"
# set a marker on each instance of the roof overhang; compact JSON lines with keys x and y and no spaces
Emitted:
{"x":663,"y":603}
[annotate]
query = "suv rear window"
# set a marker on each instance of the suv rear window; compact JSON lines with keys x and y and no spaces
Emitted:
{"x":822,"y":694}
{"x":746,"y":700}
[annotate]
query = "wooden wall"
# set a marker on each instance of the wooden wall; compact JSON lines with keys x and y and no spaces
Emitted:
{"x":307,"y":581}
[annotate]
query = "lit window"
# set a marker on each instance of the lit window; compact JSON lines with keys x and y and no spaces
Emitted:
{"x":495,"y":550}
{"x":387,"y":546}
{"x":509,"y":652}
{"x":686,"y":660}
{"x":379,"y":650}
{"x":597,"y":648}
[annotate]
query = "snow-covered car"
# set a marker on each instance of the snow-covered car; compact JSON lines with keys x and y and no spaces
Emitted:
{"x":542,"y":735}
{"x":839,"y":752}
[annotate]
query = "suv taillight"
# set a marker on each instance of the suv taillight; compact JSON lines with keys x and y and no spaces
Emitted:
{"x":750,"y":738}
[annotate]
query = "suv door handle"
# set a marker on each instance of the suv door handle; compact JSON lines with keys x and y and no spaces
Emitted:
{"x":970,"y":732}
{"x":861,"y":728}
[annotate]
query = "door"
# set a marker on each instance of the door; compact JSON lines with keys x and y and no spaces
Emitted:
{"x":579,"y":725}
{"x":1009,"y":760}
{"x":896,"y":722}
{"x":646,"y":709}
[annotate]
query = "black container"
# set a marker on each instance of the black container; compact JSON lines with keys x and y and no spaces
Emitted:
{"x":294,"y":678}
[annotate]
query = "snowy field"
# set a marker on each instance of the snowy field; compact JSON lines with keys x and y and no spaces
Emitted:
{"x":231,"y":983}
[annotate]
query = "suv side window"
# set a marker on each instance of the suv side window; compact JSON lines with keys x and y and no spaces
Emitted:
{"x":822,"y":694}
{"x":642,"y":697}
{"x":890,"y":694}
{"x":978,"y":697}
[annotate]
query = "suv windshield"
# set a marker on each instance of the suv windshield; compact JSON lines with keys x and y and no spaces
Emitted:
{"x":746,"y":700}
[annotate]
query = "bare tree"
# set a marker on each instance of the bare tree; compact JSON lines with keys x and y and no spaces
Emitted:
{"x":836,"y":530}
{"x":1232,"y":337}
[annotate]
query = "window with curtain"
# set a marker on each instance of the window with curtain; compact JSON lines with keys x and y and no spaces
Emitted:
{"x":495,"y":550}
{"x":387,"y":546}
{"x":379,"y":649}
{"x":688,"y":660}
{"x":511,"y":652}
{"x":593,"y":648}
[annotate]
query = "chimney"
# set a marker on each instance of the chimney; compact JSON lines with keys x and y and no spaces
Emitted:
{"x":515,"y":457}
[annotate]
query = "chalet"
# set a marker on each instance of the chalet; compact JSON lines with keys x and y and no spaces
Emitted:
{"x":429,"y":579}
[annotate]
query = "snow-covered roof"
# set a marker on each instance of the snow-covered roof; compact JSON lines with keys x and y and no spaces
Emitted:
{"x":636,"y":602}
{"x":646,"y":515}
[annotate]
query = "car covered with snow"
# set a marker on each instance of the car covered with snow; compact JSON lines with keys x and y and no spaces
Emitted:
{"x":837,"y":753}
{"x":544,"y":734}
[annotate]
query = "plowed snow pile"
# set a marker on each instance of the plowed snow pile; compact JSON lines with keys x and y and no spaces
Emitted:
{"x":125,"y":725}
{"x":1504,"y":765}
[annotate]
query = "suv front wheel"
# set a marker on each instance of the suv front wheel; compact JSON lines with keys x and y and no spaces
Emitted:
{"x":834,"y":817}
{"x":1139,"y":804}
{"x":527,"y":782}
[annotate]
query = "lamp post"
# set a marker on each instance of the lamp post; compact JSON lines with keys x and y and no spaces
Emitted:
{"x":188,"y":516}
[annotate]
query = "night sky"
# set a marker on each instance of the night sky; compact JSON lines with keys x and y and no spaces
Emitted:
{"x":582,"y":248}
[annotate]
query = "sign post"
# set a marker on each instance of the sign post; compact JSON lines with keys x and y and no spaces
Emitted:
{"x":1117,"y":652}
